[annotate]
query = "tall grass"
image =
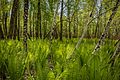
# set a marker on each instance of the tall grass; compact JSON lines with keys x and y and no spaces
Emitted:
{"x":16,"y":65}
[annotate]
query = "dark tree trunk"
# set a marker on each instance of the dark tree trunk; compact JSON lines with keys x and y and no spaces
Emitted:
{"x":45,"y":27}
{"x":30,"y":23}
{"x":45,"y":23}
{"x":36,"y":29}
{"x":5,"y":23}
{"x":77,"y":27}
{"x":18,"y":29}
{"x":1,"y":33}
{"x":33,"y":24}
{"x":26,"y":7}
{"x":1,"y":23}
{"x":66,"y":31}
{"x":61,"y":22}
{"x":38,"y":25}
{"x":15,"y":28}
{"x":12,"y":19}
{"x":39,"y":11}
{"x":69,"y":22}
{"x":74,"y":36}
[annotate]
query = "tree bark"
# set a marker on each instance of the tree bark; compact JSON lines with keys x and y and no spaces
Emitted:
{"x":40,"y":20}
{"x":15,"y":27}
{"x":45,"y":28}
{"x":18,"y":29}
{"x":30,"y":22}
{"x":1,"y":33}
{"x":69,"y":22}
{"x":5,"y":23}
{"x":33,"y":24}
{"x":26,"y":7}
{"x":61,"y":22}
{"x":12,"y":19}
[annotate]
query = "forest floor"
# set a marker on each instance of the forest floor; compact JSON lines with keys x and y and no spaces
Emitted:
{"x":53,"y":61}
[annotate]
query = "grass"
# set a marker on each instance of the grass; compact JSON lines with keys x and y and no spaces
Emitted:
{"x":17,"y":65}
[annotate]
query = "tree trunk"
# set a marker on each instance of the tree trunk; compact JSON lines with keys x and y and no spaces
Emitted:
{"x":37,"y":26}
{"x":77,"y":22}
{"x":12,"y":19}
{"x":45,"y":27}
{"x":1,"y":33}
{"x":30,"y":22}
{"x":33,"y":24}
{"x":40,"y":21}
{"x":69,"y":22}
{"x":61,"y":22}
{"x":18,"y":29}
{"x":74,"y":28}
{"x":5,"y":23}
{"x":15,"y":28}
{"x":26,"y":7}
{"x":66,"y":30}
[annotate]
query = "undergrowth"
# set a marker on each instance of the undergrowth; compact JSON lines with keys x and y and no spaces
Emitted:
{"x":15,"y":64}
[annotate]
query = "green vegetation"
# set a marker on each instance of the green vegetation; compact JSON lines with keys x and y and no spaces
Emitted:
{"x":35,"y":66}
{"x":59,"y":39}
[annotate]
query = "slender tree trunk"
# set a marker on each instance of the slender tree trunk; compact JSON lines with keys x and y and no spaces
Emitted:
{"x":33,"y":25}
{"x":69,"y":22}
{"x":18,"y":29}
{"x":74,"y":28}
{"x":40,"y":21}
{"x":77,"y":26}
{"x":45,"y":27}
{"x":4,"y":17}
{"x":1,"y":33}
{"x":15,"y":28}
{"x":30,"y":22}
{"x":6,"y":14}
{"x":45,"y":21}
{"x":97,"y":28}
{"x":26,"y":7}
{"x":12,"y":19}
{"x":38,"y":25}
{"x":61,"y":22}
{"x":66,"y":30}
{"x":1,"y":23}
{"x":36,"y":28}
{"x":5,"y":23}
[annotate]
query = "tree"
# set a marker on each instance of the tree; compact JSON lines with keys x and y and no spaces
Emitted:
{"x":69,"y":21}
{"x":104,"y":34}
{"x":61,"y":22}
{"x":26,"y":7}
{"x":38,"y":25}
{"x":18,"y":21}
{"x":1,"y":33}
{"x":13,"y":19}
